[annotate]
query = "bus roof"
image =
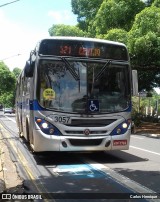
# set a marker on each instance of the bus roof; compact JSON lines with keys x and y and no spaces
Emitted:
{"x":83,"y":39}
{"x":82,"y":47}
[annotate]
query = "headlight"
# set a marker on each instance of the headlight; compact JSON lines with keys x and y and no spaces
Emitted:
{"x":124,"y":125}
{"x":121,"y":128}
{"x":47,"y":127}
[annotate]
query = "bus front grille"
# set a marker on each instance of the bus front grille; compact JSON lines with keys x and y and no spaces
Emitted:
{"x":81,"y":142}
{"x":80,"y":132}
{"x":90,"y":122}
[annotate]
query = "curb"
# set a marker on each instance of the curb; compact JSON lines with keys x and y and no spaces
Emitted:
{"x":156,"y":136}
{"x":2,"y":186}
{"x":9,"y":177}
{"x":2,"y":181}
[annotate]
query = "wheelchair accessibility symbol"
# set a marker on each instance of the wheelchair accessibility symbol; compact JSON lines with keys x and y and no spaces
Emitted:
{"x":93,"y":105}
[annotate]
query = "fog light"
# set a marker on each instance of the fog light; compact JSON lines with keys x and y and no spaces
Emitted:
{"x":118,"y":131}
{"x":51,"y":131}
{"x":64,"y":144}
{"x":108,"y":143}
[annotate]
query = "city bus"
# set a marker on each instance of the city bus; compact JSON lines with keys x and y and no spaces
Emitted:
{"x":74,"y":94}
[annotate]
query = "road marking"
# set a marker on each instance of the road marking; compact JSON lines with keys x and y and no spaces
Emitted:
{"x":121,"y":179}
{"x":145,"y":150}
{"x":77,"y":171}
{"x":10,"y":119}
{"x":141,"y":138}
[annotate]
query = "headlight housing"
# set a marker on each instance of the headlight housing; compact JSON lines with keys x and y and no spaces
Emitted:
{"x":47,"y":127}
{"x":121,"y":128}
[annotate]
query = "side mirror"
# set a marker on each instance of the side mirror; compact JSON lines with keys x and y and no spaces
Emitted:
{"x":134,"y":83}
{"x":29,"y":68}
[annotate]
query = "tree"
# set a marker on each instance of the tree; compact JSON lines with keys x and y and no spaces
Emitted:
{"x":119,"y":35}
{"x":7,"y":85}
{"x":144,"y":46}
{"x":65,"y":30}
{"x":148,"y":79}
{"x":145,"y":31}
{"x":8,"y":99}
{"x":86,"y":11}
{"x":16,"y":71}
{"x":156,"y":3}
{"x":148,"y":2}
{"x":116,"y":14}
{"x":7,"y":81}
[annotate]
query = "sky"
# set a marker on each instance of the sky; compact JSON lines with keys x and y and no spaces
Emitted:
{"x":24,"y":22}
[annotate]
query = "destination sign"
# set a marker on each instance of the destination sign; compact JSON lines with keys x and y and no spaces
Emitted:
{"x":78,"y":48}
{"x":90,"y":52}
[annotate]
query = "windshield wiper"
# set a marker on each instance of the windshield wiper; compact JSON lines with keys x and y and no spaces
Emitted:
{"x":71,"y":70}
{"x":102,"y":70}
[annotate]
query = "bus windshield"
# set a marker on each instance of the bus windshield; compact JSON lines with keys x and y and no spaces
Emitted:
{"x":68,"y":85}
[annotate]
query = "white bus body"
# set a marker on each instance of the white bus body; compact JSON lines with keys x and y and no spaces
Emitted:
{"x":74,"y":94}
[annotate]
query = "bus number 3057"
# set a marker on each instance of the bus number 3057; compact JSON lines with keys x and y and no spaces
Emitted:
{"x":60,"y":119}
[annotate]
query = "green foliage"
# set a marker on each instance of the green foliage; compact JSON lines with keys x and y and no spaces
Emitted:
{"x":148,"y":2}
{"x":156,"y":3}
{"x":86,"y":11}
{"x":150,"y":101}
{"x":139,"y":108}
{"x":145,"y":27}
{"x":119,"y":35}
{"x":146,"y":50}
{"x":116,"y":14}
{"x":147,"y":20}
{"x":16,"y":71}
{"x":7,"y":81}
{"x":8,"y":99}
{"x":7,"y":85}
{"x":137,"y":118}
{"x":144,"y":46}
{"x":65,"y":30}
{"x":140,"y":116}
{"x":148,"y":79}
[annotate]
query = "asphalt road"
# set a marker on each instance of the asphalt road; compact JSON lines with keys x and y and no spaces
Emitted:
{"x":89,"y":176}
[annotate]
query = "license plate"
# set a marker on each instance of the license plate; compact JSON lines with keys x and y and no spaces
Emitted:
{"x":119,"y":142}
